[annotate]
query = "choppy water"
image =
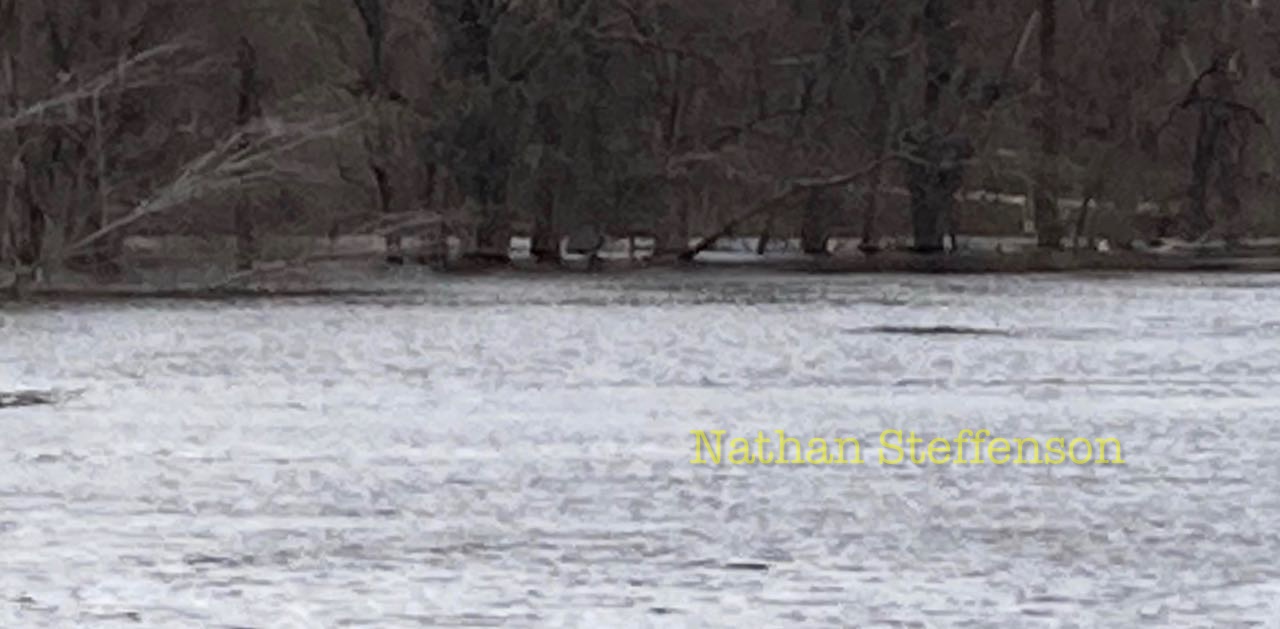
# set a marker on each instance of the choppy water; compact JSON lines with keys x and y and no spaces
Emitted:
{"x":515,"y":452}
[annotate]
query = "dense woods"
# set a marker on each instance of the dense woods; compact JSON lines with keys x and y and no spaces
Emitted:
{"x":257,"y":122}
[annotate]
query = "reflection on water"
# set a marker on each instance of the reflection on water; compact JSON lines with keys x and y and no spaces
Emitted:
{"x":515,"y":452}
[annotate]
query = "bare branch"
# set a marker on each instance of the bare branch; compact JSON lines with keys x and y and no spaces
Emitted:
{"x":149,"y":68}
{"x":244,"y":159}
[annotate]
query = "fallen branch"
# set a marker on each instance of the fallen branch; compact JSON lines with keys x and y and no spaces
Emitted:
{"x":793,"y":189}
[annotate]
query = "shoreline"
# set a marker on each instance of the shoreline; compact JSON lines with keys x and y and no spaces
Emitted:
{"x":1052,"y":262}
{"x":371,"y":278}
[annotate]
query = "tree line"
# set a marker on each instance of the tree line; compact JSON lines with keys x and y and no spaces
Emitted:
{"x":684,"y":120}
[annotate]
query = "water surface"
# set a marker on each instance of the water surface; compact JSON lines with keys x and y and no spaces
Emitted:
{"x":515,"y":452}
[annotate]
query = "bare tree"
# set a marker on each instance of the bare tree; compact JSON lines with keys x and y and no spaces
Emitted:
{"x":936,"y":166}
{"x":257,"y":151}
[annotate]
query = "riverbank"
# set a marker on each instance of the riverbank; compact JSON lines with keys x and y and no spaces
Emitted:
{"x":1048,"y":262}
{"x":370,"y":275}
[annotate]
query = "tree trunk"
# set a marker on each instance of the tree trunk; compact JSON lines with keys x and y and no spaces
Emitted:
{"x":673,"y":232}
{"x":385,"y":198}
{"x":762,"y":245}
{"x":1049,"y":229}
{"x":493,"y":235}
{"x":935,"y":174}
{"x":30,"y":245}
{"x":436,"y":252}
{"x":1082,"y":224}
{"x":545,"y":247}
{"x":870,"y":242}
{"x":1237,"y":125}
{"x":882,"y":121}
{"x":1230,"y":150}
{"x":373,"y":16}
{"x":930,"y":203}
{"x":1198,"y":219}
{"x":814,"y":232}
{"x":1220,"y":140}
{"x":246,"y":243}
{"x":9,"y":218}
{"x":935,"y":171}
{"x":248,"y":109}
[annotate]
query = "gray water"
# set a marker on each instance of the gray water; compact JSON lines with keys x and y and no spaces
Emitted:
{"x":516,"y":452}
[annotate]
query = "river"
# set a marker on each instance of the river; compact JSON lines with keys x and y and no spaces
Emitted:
{"x":516,"y":451}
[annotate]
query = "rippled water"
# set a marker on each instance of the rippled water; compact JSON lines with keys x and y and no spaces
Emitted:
{"x":516,"y":452}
